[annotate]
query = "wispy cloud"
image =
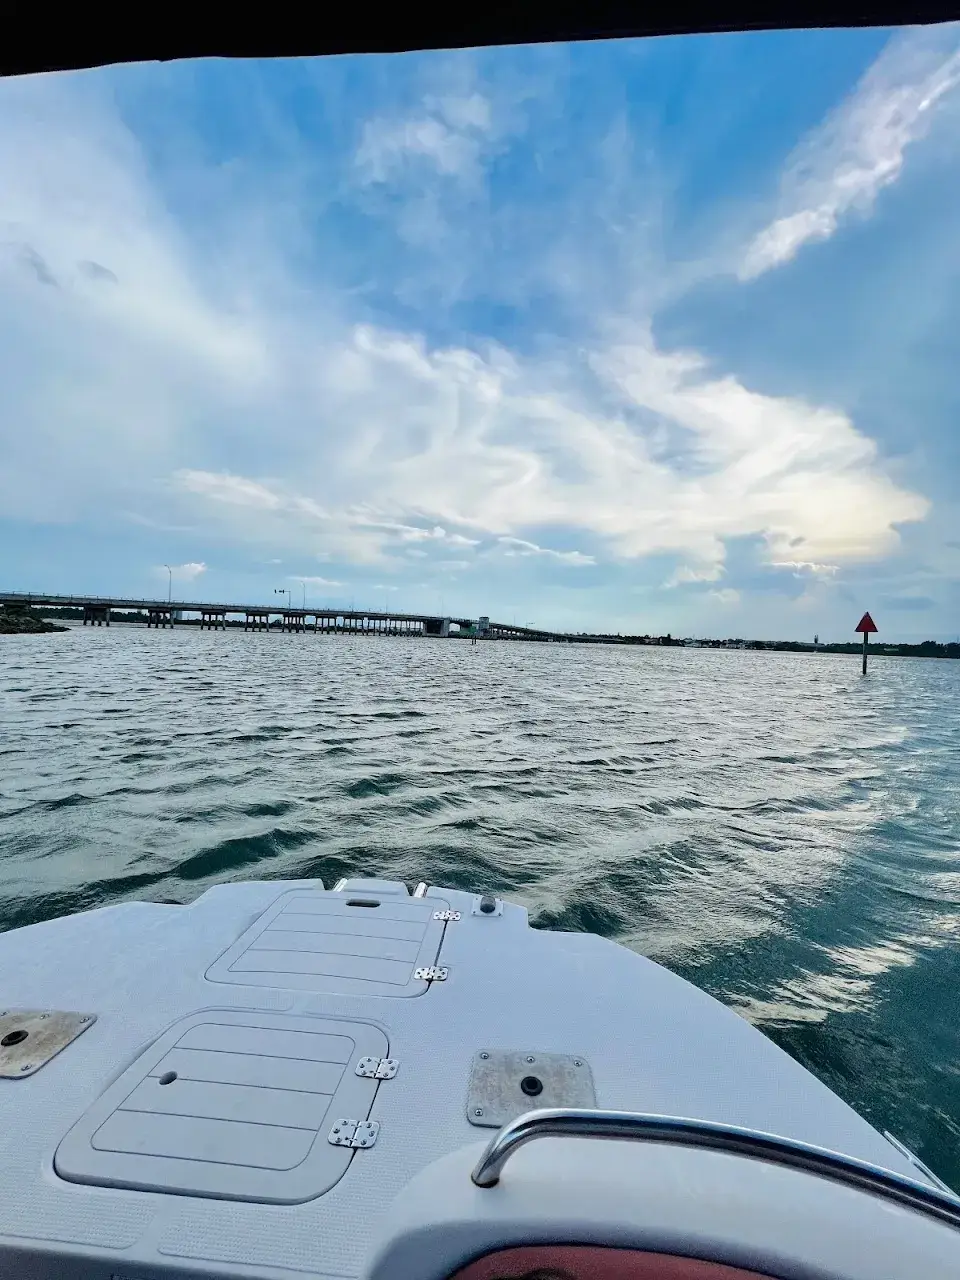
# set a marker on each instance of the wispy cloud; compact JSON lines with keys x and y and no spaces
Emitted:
{"x":415,"y":533}
{"x":686,"y":574}
{"x":525,"y":452}
{"x":224,"y":487}
{"x":859,"y":150}
{"x":520,"y":547}
{"x":448,"y":134}
{"x":808,"y":568}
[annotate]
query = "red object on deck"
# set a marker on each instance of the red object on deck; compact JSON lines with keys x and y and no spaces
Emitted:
{"x":596,"y":1262}
{"x":866,"y":625}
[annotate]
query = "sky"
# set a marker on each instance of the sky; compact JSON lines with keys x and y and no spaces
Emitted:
{"x":643,"y":336}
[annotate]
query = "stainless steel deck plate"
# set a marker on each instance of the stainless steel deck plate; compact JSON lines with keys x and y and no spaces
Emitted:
{"x":505,"y":1085}
{"x":29,"y":1038}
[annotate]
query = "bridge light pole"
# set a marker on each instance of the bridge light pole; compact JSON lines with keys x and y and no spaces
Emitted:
{"x":169,"y":583}
{"x":284,"y":591}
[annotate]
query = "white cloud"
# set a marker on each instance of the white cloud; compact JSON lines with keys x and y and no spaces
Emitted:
{"x":313,"y":581}
{"x":859,"y":150}
{"x":687,"y":574}
{"x":749,"y":464}
{"x":448,"y":134}
{"x":103,"y":370}
{"x":223,"y":487}
{"x":807,"y":568}
{"x":187,"y":572}
{"x":521,"y":547}
{"x":415,"y":533}
{"x":725,"y":595}
{"x":523,"y":450}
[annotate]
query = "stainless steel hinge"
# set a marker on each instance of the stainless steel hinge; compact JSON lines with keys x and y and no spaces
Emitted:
{"x":353,"y":1133}
{"x":378,"y":1068}
{"x":432,"y":973}
{"x":446,"y":915}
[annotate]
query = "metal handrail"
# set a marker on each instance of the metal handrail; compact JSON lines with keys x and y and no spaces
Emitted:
{"x":563,"y":1122}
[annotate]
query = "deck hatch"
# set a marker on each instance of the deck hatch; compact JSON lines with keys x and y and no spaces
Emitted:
{"x":229,"y":1105}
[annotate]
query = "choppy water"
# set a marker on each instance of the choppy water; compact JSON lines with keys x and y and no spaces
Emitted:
{"x":773,"y":827}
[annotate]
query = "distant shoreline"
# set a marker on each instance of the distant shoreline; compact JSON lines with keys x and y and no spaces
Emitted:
{"x":923,"y":649}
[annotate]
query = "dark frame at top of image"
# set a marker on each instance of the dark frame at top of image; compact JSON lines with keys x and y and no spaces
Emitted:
{"x":35,"y":38}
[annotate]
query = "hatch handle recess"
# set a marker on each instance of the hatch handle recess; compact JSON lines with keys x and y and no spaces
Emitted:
{"x":563,"y":1122}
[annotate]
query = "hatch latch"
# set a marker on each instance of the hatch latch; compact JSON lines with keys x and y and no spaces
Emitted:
{"x":431,"y":973}
{"x":446,"y":915}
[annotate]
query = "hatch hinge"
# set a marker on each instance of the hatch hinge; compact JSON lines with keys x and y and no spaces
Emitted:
{"x":353,"y":1133}
{"x":446,"y":915}
{"x":431,"y":973}
{"x":378,"y":1068}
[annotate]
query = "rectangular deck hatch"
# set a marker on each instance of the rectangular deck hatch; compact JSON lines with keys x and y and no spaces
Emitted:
{"x":236,"y":1106}
{"x":351,"y":944}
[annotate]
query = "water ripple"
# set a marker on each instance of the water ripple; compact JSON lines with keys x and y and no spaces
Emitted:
{"x":779,"y":830}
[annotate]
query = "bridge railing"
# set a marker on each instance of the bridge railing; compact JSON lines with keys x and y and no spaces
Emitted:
{"x":78,"y":600}
{"x":493,"y":628}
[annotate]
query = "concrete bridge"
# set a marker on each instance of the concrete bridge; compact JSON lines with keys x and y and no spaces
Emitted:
{"x":97,"y":611}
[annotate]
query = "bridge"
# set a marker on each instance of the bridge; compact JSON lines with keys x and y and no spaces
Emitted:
{"x":98,"y":610}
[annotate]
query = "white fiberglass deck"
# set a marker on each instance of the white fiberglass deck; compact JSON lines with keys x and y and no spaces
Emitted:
{"x":254,"y":1008}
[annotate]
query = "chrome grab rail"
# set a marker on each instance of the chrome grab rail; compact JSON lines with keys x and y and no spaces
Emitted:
{"x":563,"y":1122}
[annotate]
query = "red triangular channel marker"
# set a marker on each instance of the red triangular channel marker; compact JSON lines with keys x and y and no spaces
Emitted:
{"x":866,"y":625}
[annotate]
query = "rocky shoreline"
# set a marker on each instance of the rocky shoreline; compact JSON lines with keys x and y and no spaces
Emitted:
{"x":20,"y":622}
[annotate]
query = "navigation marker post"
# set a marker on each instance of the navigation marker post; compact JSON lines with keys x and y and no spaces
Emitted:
{"x":866,"y":626}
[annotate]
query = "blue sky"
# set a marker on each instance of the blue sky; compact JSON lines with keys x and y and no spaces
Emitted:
{"x":642,"y":335}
